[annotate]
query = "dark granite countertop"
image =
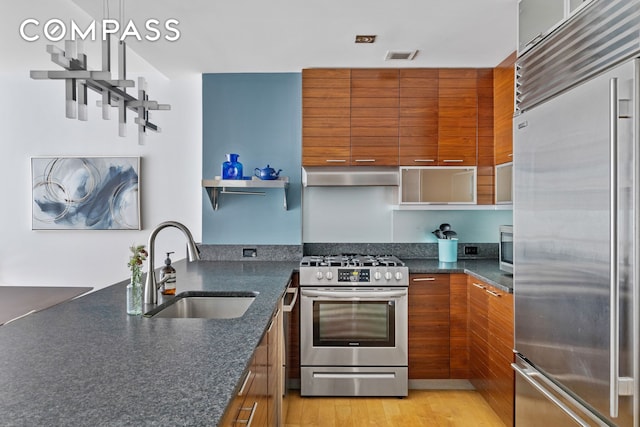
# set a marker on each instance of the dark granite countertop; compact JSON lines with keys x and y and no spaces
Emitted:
{"x":86,"y":362}
{"x":483,"y":269}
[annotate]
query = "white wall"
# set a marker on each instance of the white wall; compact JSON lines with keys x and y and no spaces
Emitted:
{"x":32,"y":123}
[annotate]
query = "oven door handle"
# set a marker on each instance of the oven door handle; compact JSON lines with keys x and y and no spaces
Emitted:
{"x":355,"y":294}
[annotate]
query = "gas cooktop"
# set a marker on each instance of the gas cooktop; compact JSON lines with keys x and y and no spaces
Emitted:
{"x":351,"y":260}
{"x":353,"y":270}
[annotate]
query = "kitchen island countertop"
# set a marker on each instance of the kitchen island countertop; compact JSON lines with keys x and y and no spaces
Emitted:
{"x":86,"y":362}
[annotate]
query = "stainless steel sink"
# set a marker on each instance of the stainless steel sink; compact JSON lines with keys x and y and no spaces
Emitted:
{"x":205,"y":305}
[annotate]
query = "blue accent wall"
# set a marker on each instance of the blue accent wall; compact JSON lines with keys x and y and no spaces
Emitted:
{"x":259,"y":117}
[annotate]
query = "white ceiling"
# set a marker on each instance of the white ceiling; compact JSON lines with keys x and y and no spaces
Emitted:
{"x":219,"y":36}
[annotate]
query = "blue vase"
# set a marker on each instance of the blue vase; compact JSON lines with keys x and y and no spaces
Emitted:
{"x":232,"y":168}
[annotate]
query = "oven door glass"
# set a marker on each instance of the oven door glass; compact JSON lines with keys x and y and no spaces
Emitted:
{"x":354,"y":323}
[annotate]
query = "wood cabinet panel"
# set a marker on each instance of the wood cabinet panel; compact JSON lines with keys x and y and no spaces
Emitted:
{"x":503,"y":95}
{"x":418,"y":126}
{"x":486,"y":188}
{"x":374,"y":117}
{"x":274,"y":370}
{"x":491,"y":344}
{"x":326,"y":113}
{"x":326,"y":122}
{"x":327,"y":83}
{"x":458,"y":327}
{"x":457,"y":116}
{"x":374,"y":102}
{"x":326,"y":73}
{"x":326,"y":156}
{"x":321,"y":111}
{"x":325,"y":93}
{"x":450,"y":110}
{"x":233,"y":412}
{"x":429,"y":340}
{"x":374,"y":73}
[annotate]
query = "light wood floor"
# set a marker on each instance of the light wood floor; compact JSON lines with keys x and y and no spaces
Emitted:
{"x":429,"y":408}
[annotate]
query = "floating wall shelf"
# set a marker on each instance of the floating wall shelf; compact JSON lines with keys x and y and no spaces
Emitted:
{"x":218,"y":186}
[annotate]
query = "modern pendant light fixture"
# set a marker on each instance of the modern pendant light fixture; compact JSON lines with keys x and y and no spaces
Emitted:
{"x":78,"y":78}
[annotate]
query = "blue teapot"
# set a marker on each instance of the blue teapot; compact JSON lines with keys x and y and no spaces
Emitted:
{"x":267,"y":173}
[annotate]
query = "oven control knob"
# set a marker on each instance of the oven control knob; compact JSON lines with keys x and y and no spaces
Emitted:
{"x":398,"y":275}
{"x":388,"y":275}
{"x":377,"y":275}
{"x":319,"y":275}
{"x":329,"y":275}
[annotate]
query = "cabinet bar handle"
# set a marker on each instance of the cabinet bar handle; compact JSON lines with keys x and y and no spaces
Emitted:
{"x":250,"y":419}
{"x":453,"y":161}
{"x":510,"y":155}
{"x":477,"y":285}
{"x":424,"y":279}
{"x":366,"y":160}
{"x":244,"y":384}
{"x":289,"y":308}
{"x":335,"y":160}
{"x":272,"y":322}
{"x":490,"y":292}
{"x":423,"y":160}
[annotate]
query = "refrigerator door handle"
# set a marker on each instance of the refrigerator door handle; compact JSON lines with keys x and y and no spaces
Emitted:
{"x":614,"y":278}
{"x":528,"y":375}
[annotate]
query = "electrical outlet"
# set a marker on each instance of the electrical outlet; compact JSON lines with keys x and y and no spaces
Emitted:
{"x":249,"y":252}
{"x":471,"y":250}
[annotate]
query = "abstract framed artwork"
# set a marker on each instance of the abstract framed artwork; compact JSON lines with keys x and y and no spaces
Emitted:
{"x":85,"y":193}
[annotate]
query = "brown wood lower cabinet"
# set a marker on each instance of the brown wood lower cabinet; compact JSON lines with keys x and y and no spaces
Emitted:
{"x":491,"y":346}
{"x":249,"y":405}
{"x":428,"y":326}
{"x":259,"y":400}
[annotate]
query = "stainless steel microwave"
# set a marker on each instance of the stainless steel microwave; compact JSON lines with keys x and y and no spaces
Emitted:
{"x":506,"y":248}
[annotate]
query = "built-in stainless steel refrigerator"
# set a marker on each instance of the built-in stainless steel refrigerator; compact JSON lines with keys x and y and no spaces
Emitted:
{"x":577,"y":226}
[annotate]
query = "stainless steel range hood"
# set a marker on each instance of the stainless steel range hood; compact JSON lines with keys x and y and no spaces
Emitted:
{"x":320,"y":176}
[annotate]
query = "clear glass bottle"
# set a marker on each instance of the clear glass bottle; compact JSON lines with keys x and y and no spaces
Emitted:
{"x":232,"y":168}
{"x":134,"y":296}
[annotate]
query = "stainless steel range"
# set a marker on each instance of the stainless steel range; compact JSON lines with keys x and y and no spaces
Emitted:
{"x":353,"y":326}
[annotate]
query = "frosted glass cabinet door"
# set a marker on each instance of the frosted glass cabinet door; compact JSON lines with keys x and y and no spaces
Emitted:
{"x":536,"y":18}
{"x":504,"y":183}
{"x":438,"y":185}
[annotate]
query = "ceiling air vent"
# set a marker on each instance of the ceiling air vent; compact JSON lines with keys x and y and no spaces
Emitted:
{"x":406,"y":55}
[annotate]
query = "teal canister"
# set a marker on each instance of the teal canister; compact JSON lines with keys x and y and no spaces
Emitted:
{"x":232,"y":168}
{"x":447,"y":250}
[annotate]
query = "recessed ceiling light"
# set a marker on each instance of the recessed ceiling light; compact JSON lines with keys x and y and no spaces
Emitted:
{"x":365,"y":39}
{"x":407,"y":55}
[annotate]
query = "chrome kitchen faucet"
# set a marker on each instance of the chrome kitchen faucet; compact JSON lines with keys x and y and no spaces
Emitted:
{"x":151,"y":285}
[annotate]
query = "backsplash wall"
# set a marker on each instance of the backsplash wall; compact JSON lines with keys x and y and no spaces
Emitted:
{"x":366,"y":215}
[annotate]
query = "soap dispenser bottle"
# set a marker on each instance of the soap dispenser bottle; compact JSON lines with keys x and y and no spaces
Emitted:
{"x":168,"y":277}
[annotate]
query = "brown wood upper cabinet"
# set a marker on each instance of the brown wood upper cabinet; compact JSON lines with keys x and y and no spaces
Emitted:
{"x":504,"y":75}
{"x":457,"y":117}
{"x":407,"y":117}
{"x":374,"y":117}
{"x":418,"y":117}
{"x":326,"y":117}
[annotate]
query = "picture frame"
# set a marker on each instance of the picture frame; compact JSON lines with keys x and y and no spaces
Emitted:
{"x":85,"y":193}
